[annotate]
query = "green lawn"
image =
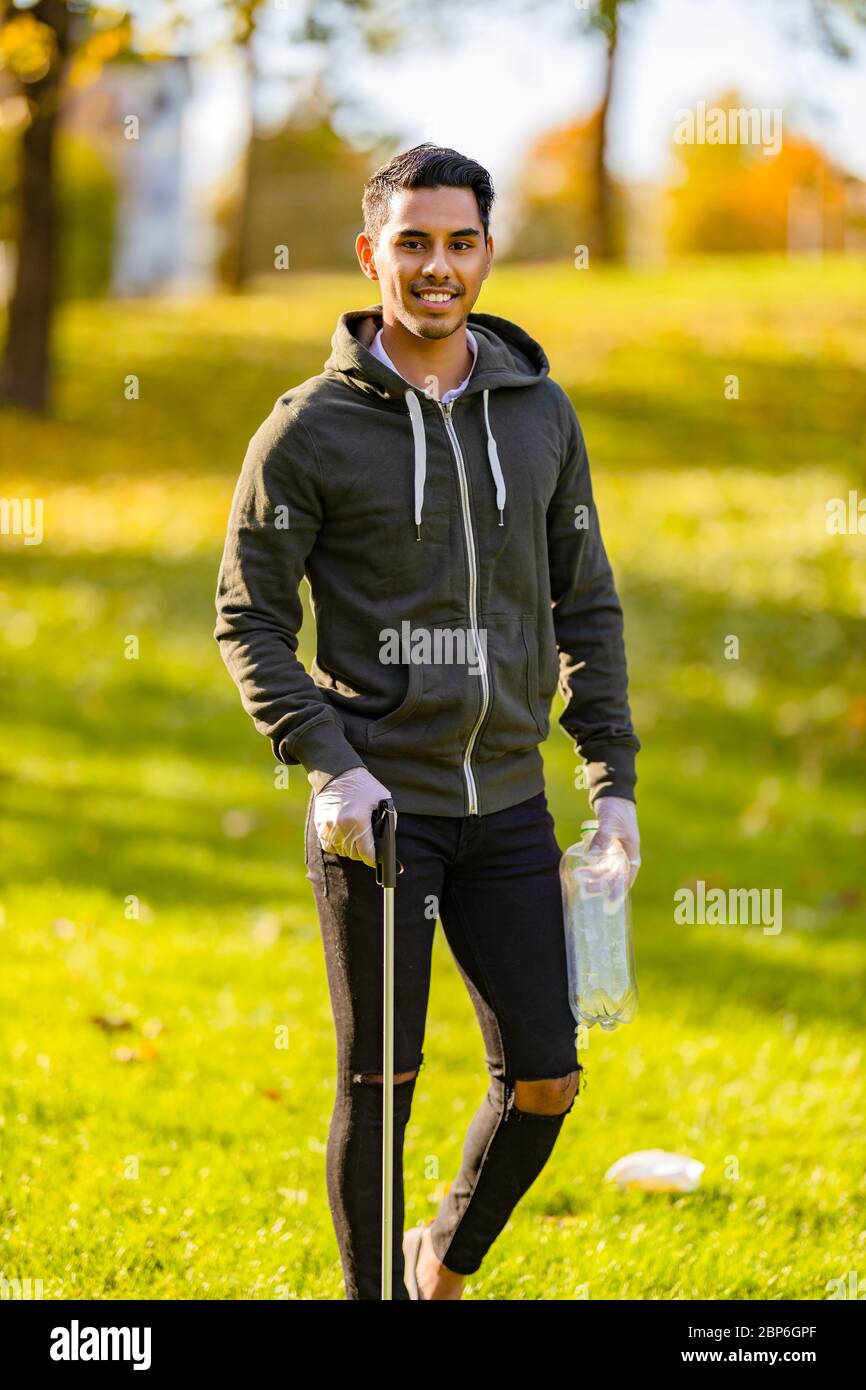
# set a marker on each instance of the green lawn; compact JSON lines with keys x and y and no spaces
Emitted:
{"x":192,"y":1164}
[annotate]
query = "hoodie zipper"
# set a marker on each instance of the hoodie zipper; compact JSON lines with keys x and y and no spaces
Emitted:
{"x":473,"y":595}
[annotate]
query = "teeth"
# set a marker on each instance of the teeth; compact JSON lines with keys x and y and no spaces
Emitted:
{"x":437,"y":298}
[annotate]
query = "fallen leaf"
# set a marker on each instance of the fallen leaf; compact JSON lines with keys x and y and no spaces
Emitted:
{"x":111,"y":1023}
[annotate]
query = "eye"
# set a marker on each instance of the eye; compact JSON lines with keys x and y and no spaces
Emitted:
{"x":461,"y":245}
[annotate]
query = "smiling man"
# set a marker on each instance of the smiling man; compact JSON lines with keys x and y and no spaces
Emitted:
{"x":433,"y":475}
{"x":424,"y":336}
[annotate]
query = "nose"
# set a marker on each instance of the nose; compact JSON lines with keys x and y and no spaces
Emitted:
{"x":436,"y":264}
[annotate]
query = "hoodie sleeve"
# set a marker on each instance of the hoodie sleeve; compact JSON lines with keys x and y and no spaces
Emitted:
{"x":588,"y":623}
{"x":276,"y":514}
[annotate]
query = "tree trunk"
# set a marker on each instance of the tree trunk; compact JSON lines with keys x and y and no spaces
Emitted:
{"x":240,"y":265}
{"x":605,"y":247}
{"x":26,"y":376}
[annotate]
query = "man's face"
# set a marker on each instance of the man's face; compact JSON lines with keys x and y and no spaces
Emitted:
{"x":433,"y":240}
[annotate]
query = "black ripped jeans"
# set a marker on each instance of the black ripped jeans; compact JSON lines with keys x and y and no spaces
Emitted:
{"x":493,"y":881}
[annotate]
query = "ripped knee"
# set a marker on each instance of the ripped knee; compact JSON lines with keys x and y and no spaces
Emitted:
{"x":398,"y":1076}
{"x":551,"y":1096}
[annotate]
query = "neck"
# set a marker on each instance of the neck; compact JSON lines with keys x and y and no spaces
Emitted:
{"x":449,"y":359}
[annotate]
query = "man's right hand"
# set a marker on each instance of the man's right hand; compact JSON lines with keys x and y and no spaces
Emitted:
{"x":343,"y":814}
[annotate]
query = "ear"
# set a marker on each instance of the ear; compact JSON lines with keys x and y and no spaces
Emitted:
{"x":366,"y":259}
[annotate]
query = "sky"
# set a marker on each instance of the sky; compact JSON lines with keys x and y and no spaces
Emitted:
{"x":488,"y":78}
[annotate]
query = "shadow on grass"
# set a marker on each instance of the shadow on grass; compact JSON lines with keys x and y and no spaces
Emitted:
{"x":790,"y":412}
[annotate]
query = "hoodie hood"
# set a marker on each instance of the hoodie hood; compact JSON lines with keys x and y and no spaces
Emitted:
{"x":507,"y":357}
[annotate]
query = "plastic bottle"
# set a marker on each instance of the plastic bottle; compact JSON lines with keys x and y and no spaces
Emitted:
{"x":598,"y":935}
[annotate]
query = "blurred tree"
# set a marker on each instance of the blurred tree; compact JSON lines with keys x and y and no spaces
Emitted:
{"x":236,"y":255}
{"x":601,"y":216}
{"x":34,"y":45}
{"x":86,"y":208}
{"x":826,"y":15}
{"x":734,"y":197}
{"x":604,"y":17}
{"x":384,"y":28}
{"x":301,"y":191}
{"x":37,"y":45}
{"x":556,"y":192}
{"x":312,"y":23}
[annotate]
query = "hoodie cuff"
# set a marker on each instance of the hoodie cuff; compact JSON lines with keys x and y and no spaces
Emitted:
{"x":324,"y":752}
{"x":611,"y":771}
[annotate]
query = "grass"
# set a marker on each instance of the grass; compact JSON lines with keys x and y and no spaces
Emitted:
{"x":153,"y":872}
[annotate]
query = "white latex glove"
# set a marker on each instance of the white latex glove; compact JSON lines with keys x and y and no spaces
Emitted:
{"x":617,"y":820}
{"x":343,"y":814}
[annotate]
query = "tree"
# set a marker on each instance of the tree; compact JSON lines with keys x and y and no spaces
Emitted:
{"x":244,"y":27}
{"x":374,"y":20}
{"x":733,"y":198}
{"x":605,"y":19}
{"x":324,"y":25}
{"x":826,"y":15}
{"x":302,"y":191}
{"x":555,"y":187}
{"x":37,"y":46}
{"x":602,"y":17}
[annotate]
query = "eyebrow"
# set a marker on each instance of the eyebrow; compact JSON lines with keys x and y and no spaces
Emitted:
{"x":416,"y":231}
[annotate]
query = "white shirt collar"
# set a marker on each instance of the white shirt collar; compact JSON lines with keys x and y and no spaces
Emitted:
{"x":379,"y":352}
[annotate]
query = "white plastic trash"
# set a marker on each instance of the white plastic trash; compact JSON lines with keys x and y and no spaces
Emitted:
{"x":655,"y":1170}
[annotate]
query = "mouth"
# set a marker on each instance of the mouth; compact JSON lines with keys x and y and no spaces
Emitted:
{"x":435,"y":299}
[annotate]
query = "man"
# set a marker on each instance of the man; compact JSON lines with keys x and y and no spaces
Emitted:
{"x":433,"y":485}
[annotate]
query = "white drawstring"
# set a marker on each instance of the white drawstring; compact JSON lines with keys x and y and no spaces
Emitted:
{"x":420,"y":439}
{"x":493,"y":456}
{"x":420,"y":442}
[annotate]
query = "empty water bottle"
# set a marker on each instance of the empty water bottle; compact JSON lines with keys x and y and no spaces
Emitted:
{"x":598,"y":936}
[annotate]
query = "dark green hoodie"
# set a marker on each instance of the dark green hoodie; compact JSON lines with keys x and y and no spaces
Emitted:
{"x":456,"y":570}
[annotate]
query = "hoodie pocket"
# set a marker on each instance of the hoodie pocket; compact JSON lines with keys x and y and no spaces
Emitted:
{"x":443,"y":700}
{"x":518,"y":718}
{"x":442,"y":705}
{"x":543,"y":659}
{"x":530,"y":641}
{"x":378,"y":728}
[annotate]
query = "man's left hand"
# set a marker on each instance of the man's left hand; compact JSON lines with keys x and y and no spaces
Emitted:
{"x":617,"y":820}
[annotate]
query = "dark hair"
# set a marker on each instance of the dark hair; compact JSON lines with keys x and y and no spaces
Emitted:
{"x":424,"y":166}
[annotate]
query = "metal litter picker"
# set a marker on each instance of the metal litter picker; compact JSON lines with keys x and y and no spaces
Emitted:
{"x":385,"y":839}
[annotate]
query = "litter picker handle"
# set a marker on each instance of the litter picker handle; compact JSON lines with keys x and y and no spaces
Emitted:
{"x":385,"y":840}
